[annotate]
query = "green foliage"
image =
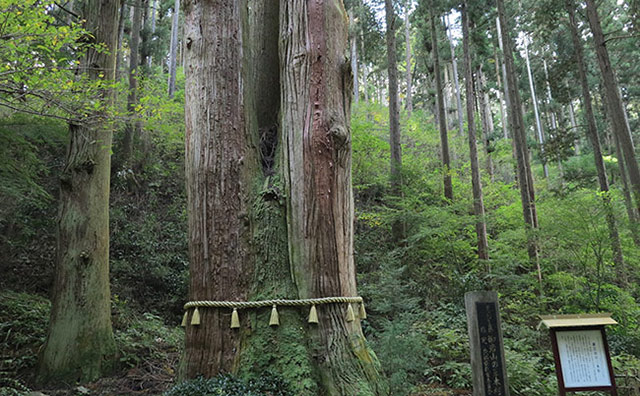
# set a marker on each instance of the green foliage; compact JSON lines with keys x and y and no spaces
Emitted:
{"x":230,"y":386}
{"x":23,"y":325}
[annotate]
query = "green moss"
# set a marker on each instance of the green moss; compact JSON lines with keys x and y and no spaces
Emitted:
{"x":281,"y":350}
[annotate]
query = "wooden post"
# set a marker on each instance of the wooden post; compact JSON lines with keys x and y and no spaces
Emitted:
{"x":485,"y":339}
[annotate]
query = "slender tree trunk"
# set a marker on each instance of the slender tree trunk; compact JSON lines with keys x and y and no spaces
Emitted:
{"x":394,"y":113}
{"x":536,"y":113}
{"x":365,"y":70}
{"x":614,"y":102}
{"x":574,"y":126}
{"x":173,"y":51}
{"x":152,"y":30}
{"x":269,"y":192}
{"x":121,"y":19}
{"x":80,"y":344}
{"x":478,"y":204}
{"x":131,"y":128}
{"x":486,"y":117}
{"x":456,"y":80}
{"x":442,"y":119}
{"x":407,"y":38}
{"x":525,"y":178}
{"x":634,"y":221}
{"x":505,"y":88}
{"x":354,"y":58}
{"x":592,"y":135}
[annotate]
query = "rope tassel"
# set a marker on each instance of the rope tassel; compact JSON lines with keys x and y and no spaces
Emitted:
{"x":350,"y":315}
{"x":235,"y":320}
{"x":313,"y":315}
{"x":195,"y":319}
{"x":363,"y":312}
{"x":184,"y":319}
{"x":275,"y":318}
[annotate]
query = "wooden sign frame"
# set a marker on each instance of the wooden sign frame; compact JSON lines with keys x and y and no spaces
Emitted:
{"x":556,"y":354}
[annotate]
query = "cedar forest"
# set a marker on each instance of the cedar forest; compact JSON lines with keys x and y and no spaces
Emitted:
{"x":201,"y":197}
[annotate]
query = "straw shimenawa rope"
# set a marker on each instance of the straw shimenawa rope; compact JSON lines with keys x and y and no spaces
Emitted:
{"x":274,"y":319}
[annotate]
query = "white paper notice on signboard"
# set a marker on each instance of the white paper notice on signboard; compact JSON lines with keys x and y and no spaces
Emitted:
{"x":583,"y":358}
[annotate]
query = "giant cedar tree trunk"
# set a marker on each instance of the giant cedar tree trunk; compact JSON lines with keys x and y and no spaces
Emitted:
{"x":80,"y":344}
{"x":442,"y":118}
{"x":265,"y":134}
{"x":520,"y":144}
{"x":478,"y":203}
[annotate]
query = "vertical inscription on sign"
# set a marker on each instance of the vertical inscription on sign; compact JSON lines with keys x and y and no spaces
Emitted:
{"x":490,"y":349}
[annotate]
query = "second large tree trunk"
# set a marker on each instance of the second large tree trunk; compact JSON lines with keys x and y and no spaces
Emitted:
{"x":80,"y":344}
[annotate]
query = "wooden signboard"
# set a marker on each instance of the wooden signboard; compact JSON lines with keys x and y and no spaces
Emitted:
{"x":581,"y":352}
{"x":485,"y":339}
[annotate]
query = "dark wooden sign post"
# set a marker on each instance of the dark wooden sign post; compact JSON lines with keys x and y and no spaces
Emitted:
{"x":485,"y":339}
{"x":581,"y":352}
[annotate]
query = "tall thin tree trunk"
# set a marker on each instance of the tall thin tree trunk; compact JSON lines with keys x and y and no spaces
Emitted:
{"x":80,"y":344}
{"x":394,"y":113}
{"x":152,"y":30}
{"x":407,"y":38}
{"x":525,"y":178}
{"x":132,"y":126}
{"x":456,"y":81}
{"x":269,"y":192}
{"x":121,"y":19}
{"x":478,"y":204}
{"x":536,"y":113}
{"x":173,"y":51}
{"x":354,"y":58}
{"x":574,"y":126}
{"x":592,"y":134}
{"x":442,"y":119}
{"x":486,"y":117}
{"x":505,"y":88}
{"x":614,"y":102}
{"x":365,"y":70}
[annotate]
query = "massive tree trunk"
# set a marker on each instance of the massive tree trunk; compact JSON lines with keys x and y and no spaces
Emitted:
{"x":407,"y":39}
{"x":269,"y":192}
{"x":516,"y":121}
{"x":478,"y":204}
{"x":592,"y":135}
{"x":614,"y":102}
{"x":80,"y":344}
{"x":173,"y":49}
{"x":442,"y":118}
{"x":394,"y":113}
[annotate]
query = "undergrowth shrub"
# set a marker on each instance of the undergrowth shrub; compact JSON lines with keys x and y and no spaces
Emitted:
{"x":226,"y":385}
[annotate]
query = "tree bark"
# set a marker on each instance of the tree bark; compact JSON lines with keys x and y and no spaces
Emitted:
{"x":173,"y":50}
{"x":407,"y":39}
{"x":442,"y":119}
{"x":516,"y":121}
{"x":80,"y":344}
{"x":592,"y":135}
{"x":394,"y":114}
{"x":478,"y":203}
{"x":269,"y":192}
{"x":614,"y":102}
